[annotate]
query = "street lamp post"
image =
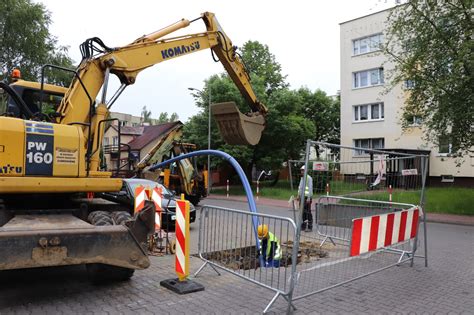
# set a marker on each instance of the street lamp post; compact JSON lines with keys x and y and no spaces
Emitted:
{"x":208,"y":139}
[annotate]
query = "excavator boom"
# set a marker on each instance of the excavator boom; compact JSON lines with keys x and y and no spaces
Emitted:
{"x":126,"y":62}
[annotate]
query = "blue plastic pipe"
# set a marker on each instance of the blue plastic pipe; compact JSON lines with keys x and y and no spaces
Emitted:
{"x":240,"y":172}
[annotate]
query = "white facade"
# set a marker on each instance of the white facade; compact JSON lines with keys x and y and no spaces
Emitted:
{"x":370,"y":113}
{"x":126,"y":119}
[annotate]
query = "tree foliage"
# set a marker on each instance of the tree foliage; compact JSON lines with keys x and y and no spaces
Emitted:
{"x":25,"y":42}
{"x":324,"y":111}
{"x":262,"y":63}
{"x":146,"y":115}
{"x":163,"y":118}
{"x":292,"y":116}
{"x":431,"y":44}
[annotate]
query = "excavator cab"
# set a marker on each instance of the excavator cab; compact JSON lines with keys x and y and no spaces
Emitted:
{"x":237,"y":128}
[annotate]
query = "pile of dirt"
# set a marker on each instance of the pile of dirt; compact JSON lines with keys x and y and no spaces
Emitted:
{"x":247,"y":258}
{"x":309,"y":250}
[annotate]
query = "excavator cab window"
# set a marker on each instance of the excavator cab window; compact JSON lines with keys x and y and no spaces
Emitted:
{"x":3,"y":101}
{"x":31,"y":97}
{"x":49,"y":104}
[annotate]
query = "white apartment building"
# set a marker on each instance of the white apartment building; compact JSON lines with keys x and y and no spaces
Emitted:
{"x":370,"y":115}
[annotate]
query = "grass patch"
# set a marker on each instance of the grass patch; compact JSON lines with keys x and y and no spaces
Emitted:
{"x":438,"y":200}
{"x":283,"y":191}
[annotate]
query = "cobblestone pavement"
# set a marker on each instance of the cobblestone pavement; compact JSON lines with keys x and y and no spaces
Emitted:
{"x":446,"y":286}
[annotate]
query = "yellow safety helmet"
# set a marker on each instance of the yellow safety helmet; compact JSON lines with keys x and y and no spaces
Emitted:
{"x":262,"y":231}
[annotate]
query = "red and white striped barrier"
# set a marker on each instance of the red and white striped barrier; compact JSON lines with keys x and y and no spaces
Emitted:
{"x":140,"y":197}
{"x":182,"y":239}
{"x":157,"y":196}
{"x":378,"y":231}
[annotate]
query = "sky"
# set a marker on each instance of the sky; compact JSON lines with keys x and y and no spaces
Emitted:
{"x":303,"y":35}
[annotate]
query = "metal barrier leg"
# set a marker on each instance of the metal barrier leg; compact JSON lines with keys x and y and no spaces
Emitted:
{"x":403,"y":255}
{"x":271,"y":303}
{"x":204,"y":265}
{"x":325,"y":239}
{"x":290,"y":304}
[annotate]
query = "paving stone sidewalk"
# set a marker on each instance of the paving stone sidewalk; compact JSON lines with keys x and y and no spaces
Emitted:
{"x":445,"y":287}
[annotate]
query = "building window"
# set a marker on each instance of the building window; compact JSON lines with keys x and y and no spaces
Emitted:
{"x":447,"y":178}
{"x":409,"y":84}
{"x":106,"y":141}
{"x":367,"y":78}
{"x":445,"y":146}
{"x":115,"y":140}
{"x":367,"y":44}
{"x":371,"y":143}
{"x":413,"y":120}
{"x":368,"y":112}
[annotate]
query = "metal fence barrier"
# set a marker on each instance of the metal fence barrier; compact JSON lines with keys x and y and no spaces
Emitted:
{"x":334,"y":239}
{"x":227,"y":240}
{"x":362,"y":226}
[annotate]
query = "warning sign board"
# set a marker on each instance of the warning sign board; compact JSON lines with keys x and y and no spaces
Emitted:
{"x":66,"y":156}
{"x":320,"y":166}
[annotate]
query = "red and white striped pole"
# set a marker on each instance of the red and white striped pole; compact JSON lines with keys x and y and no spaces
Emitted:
{"x":227,"y":188}
{"x":156,"y":196}
{"x":182,"y":285}
{"x":182,"y":238}
{"x":390,"y":195}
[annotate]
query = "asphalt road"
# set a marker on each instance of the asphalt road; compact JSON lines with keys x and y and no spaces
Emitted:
{"x":446,"y":286}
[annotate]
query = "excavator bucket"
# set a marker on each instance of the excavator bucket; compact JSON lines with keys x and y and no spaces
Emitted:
{"x":235,"y":127}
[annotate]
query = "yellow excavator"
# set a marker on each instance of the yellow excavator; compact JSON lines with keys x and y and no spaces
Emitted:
{"x":46,"y":159}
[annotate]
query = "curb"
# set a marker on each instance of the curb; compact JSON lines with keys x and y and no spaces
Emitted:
{"x":430,"y":217}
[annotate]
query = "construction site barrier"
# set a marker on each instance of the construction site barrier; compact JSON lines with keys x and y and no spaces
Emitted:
{"x":361,"y":225}
{"x":334,"y":214}
{"x":226,"y":241}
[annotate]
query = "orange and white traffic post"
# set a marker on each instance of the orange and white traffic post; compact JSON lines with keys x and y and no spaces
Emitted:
{"x":140,"y":198}
{"x":182,"y":285}
{"x":156,"y":197}
{"x":182,"y":238}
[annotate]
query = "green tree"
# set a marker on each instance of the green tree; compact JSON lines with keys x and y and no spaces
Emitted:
{"x":260,"y":62}
{"x":286,"y":131}
{"x":284,"y":121}
{"x":431,"y":44}
{"x":163,"y":118}
{"x":146,"y":115}
{"x":25,"y":42}
{"x":174,"y":117}
{"x":324,"y":112}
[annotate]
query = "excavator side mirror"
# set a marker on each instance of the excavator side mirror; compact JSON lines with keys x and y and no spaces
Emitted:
{"x":235,"y":127}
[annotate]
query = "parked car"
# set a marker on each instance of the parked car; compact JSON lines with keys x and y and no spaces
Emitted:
{"x":126,"y":197}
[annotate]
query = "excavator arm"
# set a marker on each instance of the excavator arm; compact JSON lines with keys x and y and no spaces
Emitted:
{"x":78,"y":107}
